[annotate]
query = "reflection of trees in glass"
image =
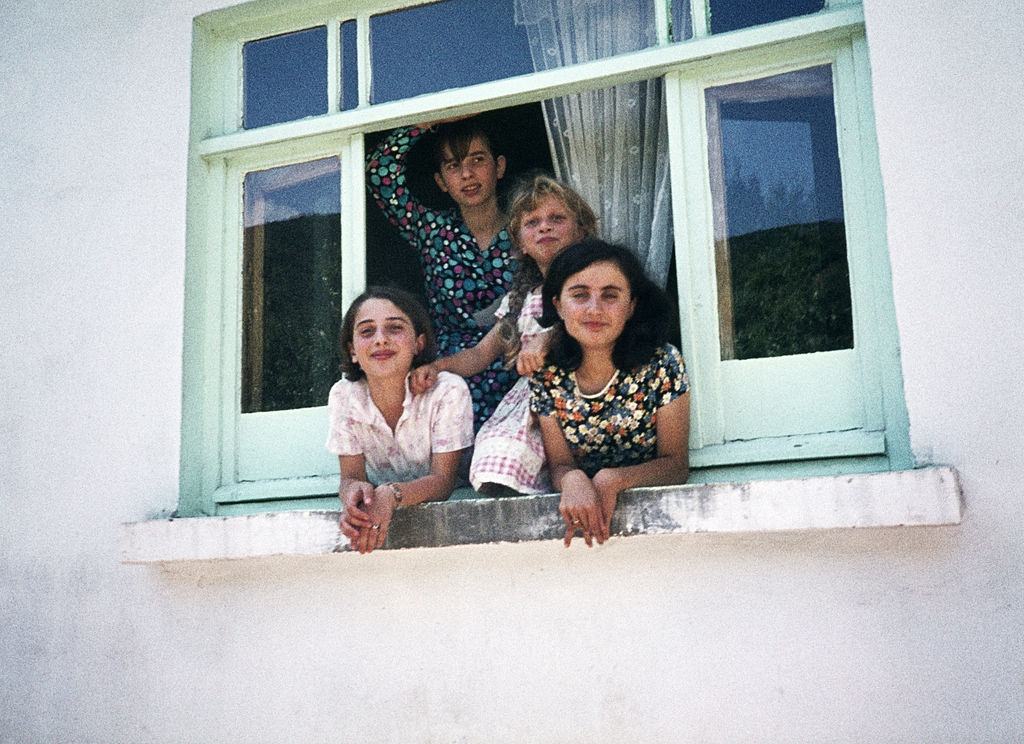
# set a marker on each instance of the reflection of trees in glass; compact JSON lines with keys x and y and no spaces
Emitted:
{"x":752,"y":207}
{"x":301,"y":311}
{"x":790,"y":284}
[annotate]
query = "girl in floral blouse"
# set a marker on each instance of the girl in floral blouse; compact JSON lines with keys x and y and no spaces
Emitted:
{"x":545,"y":218}
{"x":613,"y":402}
{"x":393,"y":447}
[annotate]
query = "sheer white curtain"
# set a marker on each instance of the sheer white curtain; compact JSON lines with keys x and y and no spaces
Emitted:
{"x":610,"y":144}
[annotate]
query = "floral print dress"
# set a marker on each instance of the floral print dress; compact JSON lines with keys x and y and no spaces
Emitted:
{"x":460,"y":278}
{"x":618,"y":426}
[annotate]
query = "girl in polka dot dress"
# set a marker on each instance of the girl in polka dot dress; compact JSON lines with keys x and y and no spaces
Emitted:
{"x":545,"y":218}
{"x":466,"y":252}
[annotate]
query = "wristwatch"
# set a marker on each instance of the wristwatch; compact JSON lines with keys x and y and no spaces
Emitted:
{"x":397,"y":491}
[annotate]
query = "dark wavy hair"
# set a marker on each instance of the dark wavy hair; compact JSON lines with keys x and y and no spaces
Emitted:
{"x":457,"y":136}
{"x":405,"y":302}
{"x":645,"y":331}
{"x":528,"y":192}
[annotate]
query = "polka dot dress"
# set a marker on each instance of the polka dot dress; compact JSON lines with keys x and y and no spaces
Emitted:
{"x":459,"y":277}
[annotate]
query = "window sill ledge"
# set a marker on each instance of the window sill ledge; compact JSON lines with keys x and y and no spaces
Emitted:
{"x":928,"y":496}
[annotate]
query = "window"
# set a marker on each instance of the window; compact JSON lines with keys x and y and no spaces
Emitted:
{"x":753,"y":131}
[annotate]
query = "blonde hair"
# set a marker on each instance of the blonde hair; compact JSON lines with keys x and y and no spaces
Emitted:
{"x":526,"y":196}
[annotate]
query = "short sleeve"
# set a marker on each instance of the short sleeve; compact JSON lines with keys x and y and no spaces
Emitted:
{"x":451,"y":420}
{"x":502,"y":310}
{"x":342,"y":436}
{"x":670,"y":378}
{"x":542,"y":402}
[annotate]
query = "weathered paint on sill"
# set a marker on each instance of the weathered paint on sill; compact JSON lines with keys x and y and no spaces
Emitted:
{"x":925,"y":497}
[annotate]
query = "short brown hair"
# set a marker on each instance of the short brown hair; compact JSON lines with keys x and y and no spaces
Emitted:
{"x":458,"y":136}
{"x":405,"y":302}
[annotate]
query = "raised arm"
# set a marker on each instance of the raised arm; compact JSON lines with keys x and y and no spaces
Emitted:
{"x":385,"y":178}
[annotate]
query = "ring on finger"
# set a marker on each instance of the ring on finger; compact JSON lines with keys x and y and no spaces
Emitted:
{"x":375,"y":526}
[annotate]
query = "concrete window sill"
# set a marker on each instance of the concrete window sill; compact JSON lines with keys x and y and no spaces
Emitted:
{"x":912,"y":498}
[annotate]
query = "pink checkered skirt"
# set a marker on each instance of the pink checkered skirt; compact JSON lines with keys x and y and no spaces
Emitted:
{"x":509,"y":449}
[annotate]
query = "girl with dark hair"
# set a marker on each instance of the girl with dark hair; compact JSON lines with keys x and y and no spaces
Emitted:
{"x":545,"y":217}
{"x":466,"y":252}
{"x":613,"y":402}
{"x":393,"y":448}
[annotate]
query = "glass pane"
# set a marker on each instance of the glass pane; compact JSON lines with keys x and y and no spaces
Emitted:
{"x":567,"y":32}
{"x":729,"y":15}
{"x":349,"y":67}
{"x":682,"y":20}
{"x":445,"y":45}
{"x":780,"y":243}
{"x":291,"y":286}
{"x":461,"y":42}
{"x":285,"y":77}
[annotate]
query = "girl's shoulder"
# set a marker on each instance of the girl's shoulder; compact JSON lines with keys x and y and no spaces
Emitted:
{"x":447,"y":381}
{"x":666,"y":360}
{"x":551,"y":377}
{"x":449,"y":390}
{"x":668,"y":355}
{"x":533,"y":304}
{"x":449,"y":396}
{"x":347,"y":395}
{"x":666,"y":371}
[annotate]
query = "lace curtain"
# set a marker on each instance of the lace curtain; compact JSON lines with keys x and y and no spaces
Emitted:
{"x":611,"y":144}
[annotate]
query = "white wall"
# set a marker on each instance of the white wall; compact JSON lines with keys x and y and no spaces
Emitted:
{"x":907,"y":635}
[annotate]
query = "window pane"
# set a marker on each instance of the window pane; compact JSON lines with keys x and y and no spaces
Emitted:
{"x":682,"y":20}
{"x":349,"y":67}
{"x":780,"y":244}
{"x":445,"y":45}
{"x":567,"y":32}
{"x":291,"y":286}
{"x":729,"y":15}
{"x":285,"y":77}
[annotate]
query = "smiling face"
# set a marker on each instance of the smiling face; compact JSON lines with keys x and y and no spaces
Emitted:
{"x":472,"y":181}
{"x":384,"y":341}
{"x":547,"y":230}
{"x":595,"y":304}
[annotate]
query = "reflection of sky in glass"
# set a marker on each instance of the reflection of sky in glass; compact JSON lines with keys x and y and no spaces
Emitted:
{"x":728,"y":15}
{"x":291,"y":191}
{"x":779,"y":154}
{"x":349,"y":66}
{"x":780,"y":241}
{"x":445,"y":45}
{"x":682,"y":21}
{"x":285,"y":77}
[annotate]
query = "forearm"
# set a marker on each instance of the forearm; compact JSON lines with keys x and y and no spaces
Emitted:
{"x":346,"y":482}
{"x":560,"y":473}
{"x":466,"y":363}
{"x":394,"y":149}
{"x":665,"y":470}
{"x":474,"y":359}
{"x":432,"y":487}
{"x":385,"y":169}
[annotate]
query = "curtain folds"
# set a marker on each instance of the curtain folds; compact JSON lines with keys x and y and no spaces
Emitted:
{"x":611,"y":144}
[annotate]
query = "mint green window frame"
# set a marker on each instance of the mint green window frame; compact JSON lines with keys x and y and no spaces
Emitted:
{"x":235,"y":462}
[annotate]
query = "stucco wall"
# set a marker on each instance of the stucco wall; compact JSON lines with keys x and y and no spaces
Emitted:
{"x":905,"y":635}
